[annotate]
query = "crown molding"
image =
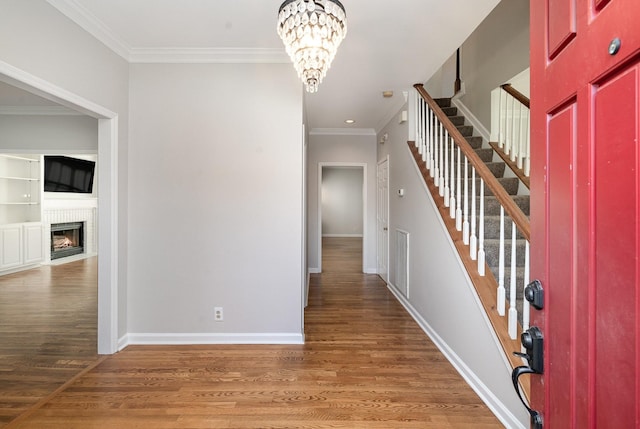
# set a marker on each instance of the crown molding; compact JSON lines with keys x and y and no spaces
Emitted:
{"x":81,"y":16}
{"x":208,"y":55}
{"x":38,"y":111}
{"x":88,"y":22}
{"x":342,"y":132}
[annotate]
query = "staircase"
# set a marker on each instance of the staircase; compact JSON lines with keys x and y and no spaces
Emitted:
{"x":475,"y":230}
{"x":492,"y":206}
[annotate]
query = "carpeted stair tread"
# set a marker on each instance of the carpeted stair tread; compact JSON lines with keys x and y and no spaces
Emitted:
{"x":474,"y":141}
{"x":492,"y":205}
{"x":450,"y":111}
{"x":492,"y":227}
{"x":443,"y":102}
{"x":485,"y":154}
{"x":492,"y":246}
{"x":457,"y":120}
{"x":510,"y":184}
{"x":465,"y":130}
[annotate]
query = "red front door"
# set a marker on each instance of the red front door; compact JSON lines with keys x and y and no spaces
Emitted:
{"x":585,"y":82}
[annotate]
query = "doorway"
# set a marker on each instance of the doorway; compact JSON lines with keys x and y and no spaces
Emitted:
{"x":107,"y":194}
{"x":341,"y":205}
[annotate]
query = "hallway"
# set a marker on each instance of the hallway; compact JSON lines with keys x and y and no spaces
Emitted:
{"x":365,"y":364}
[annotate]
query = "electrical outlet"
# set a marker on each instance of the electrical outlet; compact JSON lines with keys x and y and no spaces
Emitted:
{"x":218,"y":314}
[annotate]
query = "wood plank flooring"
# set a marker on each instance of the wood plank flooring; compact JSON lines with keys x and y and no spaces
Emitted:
{"x":48,"y":328}
{"x":365,"y":364}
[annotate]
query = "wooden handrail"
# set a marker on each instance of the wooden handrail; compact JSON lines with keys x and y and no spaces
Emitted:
{"x":512,"y":209}
{"x":516,"y":94}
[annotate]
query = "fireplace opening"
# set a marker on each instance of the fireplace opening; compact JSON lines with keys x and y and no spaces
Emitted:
{"x":67,"y":239}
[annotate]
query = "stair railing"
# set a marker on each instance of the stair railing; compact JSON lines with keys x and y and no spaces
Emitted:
{"x":513,"y":126}
{"x":450,"y":162}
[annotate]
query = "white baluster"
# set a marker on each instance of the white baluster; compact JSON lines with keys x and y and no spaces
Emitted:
{"x":503,"y":120}
{"x":473,"y":240}
{"x":515,"y":132}
{"x":481,"y":254}
{"x":501,"y":291}
{"x":527,"y":160}
{"x":425,"y":156}
{"x":452,"y":197}
{"x":446,"y":168}
{"x":513,"y":313}
{"x":458,"y":202}
{"x":440,"y":159}
{"x":436,"y":169}
{"x":465,"y":224}
{"x":509,"y":122}
{"x":418,"y":107}
{"x":522,"y":138}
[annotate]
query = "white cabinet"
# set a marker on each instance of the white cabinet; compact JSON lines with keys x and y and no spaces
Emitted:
{"x":21,"y":245}
{"x":33,"y":241}
{"x":20,"y":188}
{"x":11,"y":246}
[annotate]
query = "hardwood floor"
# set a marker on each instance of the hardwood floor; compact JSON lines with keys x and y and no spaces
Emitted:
{"x":365,"y":364}
{"x":47,"y":331}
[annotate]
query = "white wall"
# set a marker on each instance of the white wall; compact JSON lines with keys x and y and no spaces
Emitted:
{"x":48,"y":134}
{"x":495,"y":52}
{"x":216,"y":203}
{"x":37,"y":39}
{"x":356,"y":149}
{"x":440,"y":294}
{"x":342,"y":208}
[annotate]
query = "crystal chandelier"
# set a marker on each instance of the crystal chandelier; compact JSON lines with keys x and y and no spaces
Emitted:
{"x":312,"y":31}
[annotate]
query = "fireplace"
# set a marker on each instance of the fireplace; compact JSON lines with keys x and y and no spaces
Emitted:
{"x":67,"y":239}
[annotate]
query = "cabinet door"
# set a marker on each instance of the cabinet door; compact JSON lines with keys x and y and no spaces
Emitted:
{"x":11,"y":242}
{"x":33,"y":243}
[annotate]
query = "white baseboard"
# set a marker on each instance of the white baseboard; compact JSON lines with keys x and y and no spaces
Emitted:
{"x":314,"y":271}
{"x":213,"y":338}
{"x":342,"y":235}
{"x":371,"y":271}
{"x":123,"y":342}
{"x":473,"y":120}
{"x":495,"y":405}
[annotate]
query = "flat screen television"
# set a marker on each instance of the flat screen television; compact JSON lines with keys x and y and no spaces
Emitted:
{"x":66,"y":174}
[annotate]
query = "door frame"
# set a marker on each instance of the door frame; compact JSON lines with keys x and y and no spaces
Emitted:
{"x":107,"y":194}
{"x":385,"y":159}
{"x":365,"y":240}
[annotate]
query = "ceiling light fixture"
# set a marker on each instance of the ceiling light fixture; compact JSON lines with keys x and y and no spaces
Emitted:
{"x":311,"y":31}
{"x":350,"y":121}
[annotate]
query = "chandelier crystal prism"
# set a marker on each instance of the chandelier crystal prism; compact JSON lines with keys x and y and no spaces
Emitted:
{"x":311,"y":31}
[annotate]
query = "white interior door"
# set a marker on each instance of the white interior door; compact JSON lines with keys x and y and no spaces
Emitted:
{"x":382,"y":217}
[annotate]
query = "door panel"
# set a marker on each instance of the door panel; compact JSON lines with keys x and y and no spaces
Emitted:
{"x":616,"y":246}
{"x":383,"y":219}
{"x":562,"y":127}
{"x":585,"y":204}
{"x":561,"y":24}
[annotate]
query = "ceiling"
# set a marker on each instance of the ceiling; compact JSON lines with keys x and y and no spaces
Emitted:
{"x":390,"y":45}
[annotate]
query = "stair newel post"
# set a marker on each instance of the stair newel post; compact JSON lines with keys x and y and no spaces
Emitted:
{"x":418,"y":128}
{"x":465,"y":224}
{"x":513,"y":313}
{"x":525,"y":304}
{"x":501,"y":291}
{"x":445,"y":143}
{"x":481,"y":254}
{"x":452,"y":197}
{"x":473,"y":240}
{"x":458,"y":202}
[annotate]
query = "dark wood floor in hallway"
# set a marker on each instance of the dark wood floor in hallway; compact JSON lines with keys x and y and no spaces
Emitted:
{"x":365,"y":364}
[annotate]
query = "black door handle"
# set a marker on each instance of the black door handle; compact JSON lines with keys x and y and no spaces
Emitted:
{"x":532,"y":341}
{"x":536,"y":418}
